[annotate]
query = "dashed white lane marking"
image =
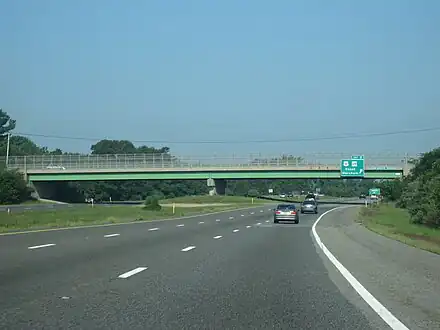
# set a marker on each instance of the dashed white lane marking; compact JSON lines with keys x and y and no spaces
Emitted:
{"x":217,"y":237}
{"x":248,"y":226}
{"x":189,"y":248}
{"x":111,"y":235}
{"x":242,"y":215}
{"x":252,"y":212}
{"x":267,"y":220}
{"x":201,"y":222}
{"x":40,"y":246}
{"x":261,"y":211}
{"x":132,"y":272}
{"x":153,"y":229}
{"x":181,"y":225}
{"x":231,"y":218}
{"x":236,"y":230}
{"x":217,"y":220}
{"x":380,"y":309}
{"x":258,"y":223}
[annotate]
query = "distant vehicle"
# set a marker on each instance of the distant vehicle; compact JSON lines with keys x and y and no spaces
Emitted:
{"x":55,"y":167}
{"x":310,"y":196}
{"x":286,"y":212}
{"x":362,"y":196}
{"x":309,"y":206}
{"x":282,"y":195}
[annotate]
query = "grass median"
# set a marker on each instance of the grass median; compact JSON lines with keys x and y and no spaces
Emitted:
{"x":99,"y":214}
{"x":217,"y":199}
{"x":395,"y":223}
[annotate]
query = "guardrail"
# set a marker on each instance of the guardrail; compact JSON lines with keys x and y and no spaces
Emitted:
{"x":157,"y":161}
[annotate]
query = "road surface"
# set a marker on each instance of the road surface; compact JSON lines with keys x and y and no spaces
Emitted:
{"x":233,"y":270}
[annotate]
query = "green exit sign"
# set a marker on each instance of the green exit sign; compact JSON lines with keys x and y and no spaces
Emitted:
{"x":354,"y":167}
{"x":374,"y":191}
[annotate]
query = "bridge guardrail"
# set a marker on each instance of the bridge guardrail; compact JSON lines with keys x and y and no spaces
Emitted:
{"x":165,"y":161}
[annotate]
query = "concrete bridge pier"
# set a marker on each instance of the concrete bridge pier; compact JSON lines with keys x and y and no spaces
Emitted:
{"x":218,"y":186}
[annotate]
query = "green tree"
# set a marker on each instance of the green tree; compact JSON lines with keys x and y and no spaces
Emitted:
{"x":13,"y":188}
{"x":6,"y":123}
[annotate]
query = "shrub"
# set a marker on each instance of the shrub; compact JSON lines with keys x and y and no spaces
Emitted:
{"x":13,"y":188}
{"x":152,"y":203}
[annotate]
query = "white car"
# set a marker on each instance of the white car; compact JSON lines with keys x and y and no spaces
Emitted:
{"x":55,"y":167}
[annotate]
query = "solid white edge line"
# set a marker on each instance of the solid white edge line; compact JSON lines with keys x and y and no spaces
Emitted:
{"x":111,"y":235}
{"x":132,"y":272}
{"x":189,"y":248}
{"x":40,"y":246}
{"x":381,"y":310}
{"x":217,"y":237}
{"x":153,"y":229}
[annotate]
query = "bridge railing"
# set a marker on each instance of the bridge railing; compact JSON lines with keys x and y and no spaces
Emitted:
{"x":157,"y":161}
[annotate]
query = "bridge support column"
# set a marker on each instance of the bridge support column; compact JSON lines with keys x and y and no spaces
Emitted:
{"x":218,"y":186}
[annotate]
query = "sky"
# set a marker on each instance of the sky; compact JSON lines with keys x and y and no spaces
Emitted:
{"x":233,"y":71}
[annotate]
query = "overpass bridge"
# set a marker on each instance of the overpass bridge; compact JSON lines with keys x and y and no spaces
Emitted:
{"x":41,"y":170}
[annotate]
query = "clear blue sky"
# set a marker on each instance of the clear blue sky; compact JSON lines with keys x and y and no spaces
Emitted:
{"x":223,"y":70}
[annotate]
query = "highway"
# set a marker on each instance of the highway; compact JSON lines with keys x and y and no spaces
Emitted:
{"x":232,"y":270}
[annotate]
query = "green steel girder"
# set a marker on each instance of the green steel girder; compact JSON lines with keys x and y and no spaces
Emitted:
{"x":194,"y":175}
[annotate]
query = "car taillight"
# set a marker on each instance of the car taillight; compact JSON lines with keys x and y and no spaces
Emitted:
{"x":293,"y":212}
{"x":278,"y":212}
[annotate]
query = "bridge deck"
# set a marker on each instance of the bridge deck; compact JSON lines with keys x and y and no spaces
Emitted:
{"x":217,"y":168}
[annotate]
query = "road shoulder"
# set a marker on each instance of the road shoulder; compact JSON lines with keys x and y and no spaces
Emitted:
{"x":404,"y":279}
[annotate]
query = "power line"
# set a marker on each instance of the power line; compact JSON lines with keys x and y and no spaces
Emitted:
{"x":303,"y":139}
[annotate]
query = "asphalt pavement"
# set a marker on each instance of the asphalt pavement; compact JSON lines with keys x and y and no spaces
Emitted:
{"x":404,"y":279}
{"x":232,"y":270}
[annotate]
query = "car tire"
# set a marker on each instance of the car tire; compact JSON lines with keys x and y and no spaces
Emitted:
{"x":275,"y":221}
{"x":296,"y":222}
{"x":316,"y":211}
{"x":302,"y":212}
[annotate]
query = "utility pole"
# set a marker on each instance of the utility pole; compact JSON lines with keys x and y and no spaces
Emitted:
{"x":7,"y":149}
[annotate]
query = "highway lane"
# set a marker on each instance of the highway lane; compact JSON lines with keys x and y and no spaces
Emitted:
{"x":242,"y":271}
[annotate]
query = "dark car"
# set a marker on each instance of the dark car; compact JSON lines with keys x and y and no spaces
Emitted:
{"x":309,"y":206}
{"x":286,"y":212}
{"x":310,"y":196}
{"x":362,"y":196}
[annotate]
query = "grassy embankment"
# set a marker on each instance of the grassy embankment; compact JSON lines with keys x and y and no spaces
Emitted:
{"x":99,"y":214}
{"x":395,"y":223}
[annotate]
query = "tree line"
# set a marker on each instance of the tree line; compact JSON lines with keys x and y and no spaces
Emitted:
{"x":139,"y":190}
{"x":419,"y":192}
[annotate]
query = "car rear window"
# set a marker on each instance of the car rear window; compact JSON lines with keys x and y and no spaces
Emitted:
{"x":285,"y":207}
